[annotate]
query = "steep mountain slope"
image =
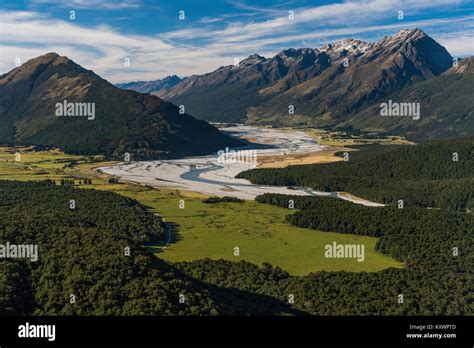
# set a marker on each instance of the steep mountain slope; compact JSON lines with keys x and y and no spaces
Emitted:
{"x":123,"y":121}
{"x":226,"y":94}
{"x":151,"y":86}
{"x":324,"y":86}
{"x":446,"y":107}
{"x":388,"y":65}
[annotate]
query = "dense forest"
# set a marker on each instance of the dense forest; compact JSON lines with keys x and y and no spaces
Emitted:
{"x":82,"y":252}
{"x":433,"y":174}
{"x":92,"y":244}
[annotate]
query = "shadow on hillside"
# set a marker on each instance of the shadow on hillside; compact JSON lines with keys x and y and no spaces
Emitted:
{"x":233,"y":301}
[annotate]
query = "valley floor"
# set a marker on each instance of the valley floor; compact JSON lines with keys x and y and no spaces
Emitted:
{"x":201,"y":230}
{"x":215,"y":174}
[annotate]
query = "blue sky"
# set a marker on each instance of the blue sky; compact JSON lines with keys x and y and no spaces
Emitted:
{"x":150,"y":35}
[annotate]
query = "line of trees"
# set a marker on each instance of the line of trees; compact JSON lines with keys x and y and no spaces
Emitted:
{"x":433,"y":174}
{"x":72,"y":182}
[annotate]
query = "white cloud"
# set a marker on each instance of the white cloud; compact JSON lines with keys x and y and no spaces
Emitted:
{"x":27,"y":34}
{"x":347,"y":13}
{"x":92,"y":4}
{"x":459,"y":46}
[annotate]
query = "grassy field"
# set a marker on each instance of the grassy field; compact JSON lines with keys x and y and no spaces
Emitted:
{"x":203,"y":230}
{"x":36,"y":165}
{"x":340,"y":139}
{"x":336,"y":141}
{"x":326,"y":155}
{"x":258,"y":230}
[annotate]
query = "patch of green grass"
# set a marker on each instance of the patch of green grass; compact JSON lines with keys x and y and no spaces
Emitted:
{"x":33,"y":165}
{"x":39,"y":165}
{"x":258,"y":230}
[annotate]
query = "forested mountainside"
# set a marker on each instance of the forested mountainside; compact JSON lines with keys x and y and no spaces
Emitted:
{"x":446,"y":107}
{"x":122,"y":121}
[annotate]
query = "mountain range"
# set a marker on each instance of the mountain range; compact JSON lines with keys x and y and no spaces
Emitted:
{"x":447,"y":107}
{"x":34,"y":95}
{"x":340,"y":86}
{"x":151,"y":86}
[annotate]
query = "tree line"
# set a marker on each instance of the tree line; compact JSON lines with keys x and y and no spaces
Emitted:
{"x":436,"y":174}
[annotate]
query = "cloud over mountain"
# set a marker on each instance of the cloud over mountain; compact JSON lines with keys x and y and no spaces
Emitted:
{"x":210,"y":36}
